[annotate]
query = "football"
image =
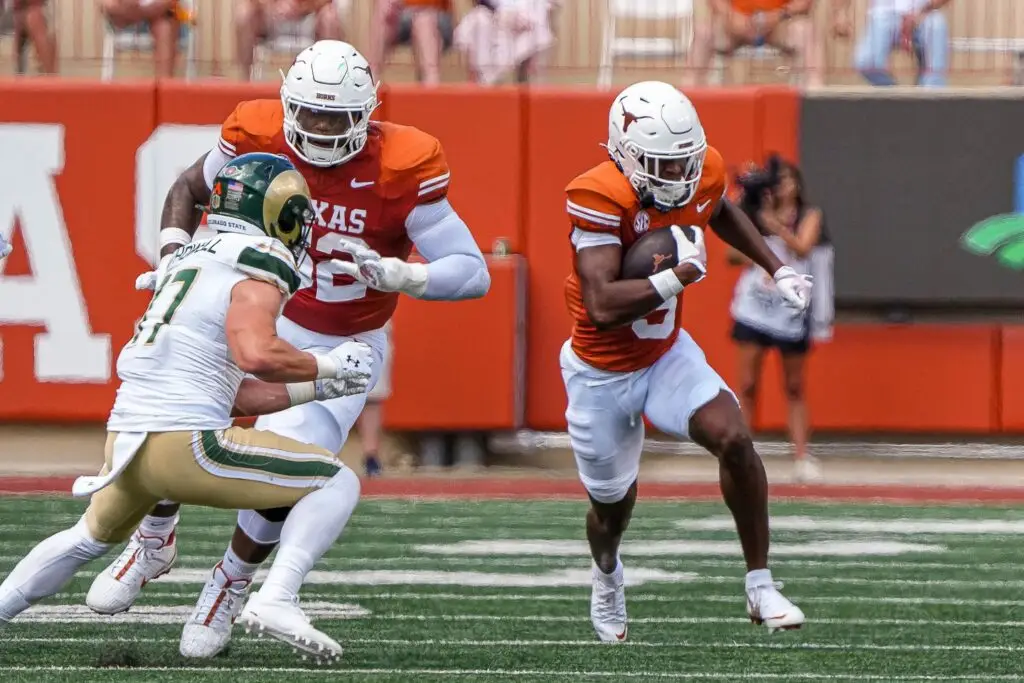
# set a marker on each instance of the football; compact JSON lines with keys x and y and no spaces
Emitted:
{"x":653,"y":253}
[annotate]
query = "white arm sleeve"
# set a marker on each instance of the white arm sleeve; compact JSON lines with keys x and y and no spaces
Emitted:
{"x":581,"y":239}
{"x":215,"y":161}
{"x":456,"y":269}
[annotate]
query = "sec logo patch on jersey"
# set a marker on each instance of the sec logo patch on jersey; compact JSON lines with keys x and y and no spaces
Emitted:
{"x":641,"y":223}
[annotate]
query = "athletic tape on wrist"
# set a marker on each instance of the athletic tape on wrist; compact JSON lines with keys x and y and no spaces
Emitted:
{"x":169,"y":236}
{"x":667,"y":284}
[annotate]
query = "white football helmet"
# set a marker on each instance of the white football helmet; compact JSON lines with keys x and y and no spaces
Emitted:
{"x":328,"y":95}
{"x":655,"y":137}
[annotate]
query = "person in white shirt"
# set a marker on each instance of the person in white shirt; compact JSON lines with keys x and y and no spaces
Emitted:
{"x":915,"y":25}
{"x":795,"y":232}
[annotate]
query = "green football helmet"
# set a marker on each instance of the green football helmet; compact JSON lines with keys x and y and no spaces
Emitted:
{"x":262,"y":194}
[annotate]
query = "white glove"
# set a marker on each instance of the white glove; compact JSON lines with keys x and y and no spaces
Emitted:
{"x":794,"y":288}
{"x":385,"y":274}
{"x":692,"y":252}
{"x":344,"y":370}
{"x":151,"y":278}
{"x":5,"y":247}
{"x":336,"y":388}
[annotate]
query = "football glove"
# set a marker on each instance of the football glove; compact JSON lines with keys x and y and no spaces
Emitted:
{"x":385,"y":274}
{"x":794,"y":288}
{"x":344,"y":370}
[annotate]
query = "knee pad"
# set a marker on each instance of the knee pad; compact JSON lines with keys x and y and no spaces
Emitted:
{"x":612,"y":490}
{"x":346,"y":482}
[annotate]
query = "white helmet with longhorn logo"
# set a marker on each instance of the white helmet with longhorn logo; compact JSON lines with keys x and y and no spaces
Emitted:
{"x":655,"y":138}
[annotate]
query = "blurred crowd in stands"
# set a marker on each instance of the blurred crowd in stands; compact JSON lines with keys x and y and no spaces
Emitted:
{"x":805,"y":42}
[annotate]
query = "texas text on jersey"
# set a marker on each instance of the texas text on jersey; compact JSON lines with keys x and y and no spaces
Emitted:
{"x":602,"y":200}
{"x":365,"y":200}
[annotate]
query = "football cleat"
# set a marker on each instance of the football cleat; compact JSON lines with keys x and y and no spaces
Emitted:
{"x":208,"y":630}
{"x":608,"y":605}
{"x":766,"y":606}
{"x":284,"y":620}
{"x":144,"y":558}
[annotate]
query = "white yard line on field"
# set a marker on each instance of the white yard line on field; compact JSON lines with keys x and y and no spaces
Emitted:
{"x":507,"y":673}
{"x":581,"y":596}
{"x":160,"y":616}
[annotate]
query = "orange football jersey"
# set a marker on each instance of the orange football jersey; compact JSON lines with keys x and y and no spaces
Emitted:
{"x":602,"y":200}
{"x":367,"y":200}
{"x":752,"y":6}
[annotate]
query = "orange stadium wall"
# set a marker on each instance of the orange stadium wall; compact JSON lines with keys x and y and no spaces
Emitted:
{"x":88,"y":165}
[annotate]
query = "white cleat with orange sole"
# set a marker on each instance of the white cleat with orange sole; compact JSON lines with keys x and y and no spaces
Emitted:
{"x":608,"y":606}
{"x":145,"y":558}
{"x":768,"y":607}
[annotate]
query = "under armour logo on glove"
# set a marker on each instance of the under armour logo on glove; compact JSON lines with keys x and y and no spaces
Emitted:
{"x":353,"y":365}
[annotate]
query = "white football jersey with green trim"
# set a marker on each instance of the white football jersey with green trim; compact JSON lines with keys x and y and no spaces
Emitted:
{"x":176,"y":372}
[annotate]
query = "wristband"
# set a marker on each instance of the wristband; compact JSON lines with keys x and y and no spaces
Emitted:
{"x":667,"y":284}
{"x":301,"y":392}
{"x":169,"y":236}
{"x":326,"y":368}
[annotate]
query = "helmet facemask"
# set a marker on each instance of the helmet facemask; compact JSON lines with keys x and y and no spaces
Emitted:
{"x":670,"y":179}
{"x":326,"y":136}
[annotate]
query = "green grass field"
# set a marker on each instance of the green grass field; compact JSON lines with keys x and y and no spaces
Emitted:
{"x":498,"y":590}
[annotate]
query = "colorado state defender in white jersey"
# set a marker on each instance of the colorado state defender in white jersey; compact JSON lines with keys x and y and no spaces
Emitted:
{"x":177,"y":371}
{"x":379,"y":189}
{"x":211,"y":320}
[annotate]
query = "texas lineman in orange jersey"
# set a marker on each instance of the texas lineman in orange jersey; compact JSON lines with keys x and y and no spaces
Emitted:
{"x":628,"y":357}
{"x":378,"y":190}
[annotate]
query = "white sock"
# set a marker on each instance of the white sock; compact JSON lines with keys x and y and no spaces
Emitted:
{"x":235,"y":568}
{"x":158,"y":527}
{"x":616,"y":575}
{"x":312,"y":527}
{"x":759,"y":578}
{"x":48,"y":568}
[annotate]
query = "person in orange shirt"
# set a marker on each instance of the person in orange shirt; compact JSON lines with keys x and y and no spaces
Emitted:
{"x":787,"y":25}
{"x":628,"y":356}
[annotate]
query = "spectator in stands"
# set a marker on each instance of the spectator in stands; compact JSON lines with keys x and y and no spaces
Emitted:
{"x":164,"y":18}
{"x":371,"y":419}
{"x":795,"y":231}
{"x":32,"y":27}
{"x":917,"y":26}
{"x":426,"y":24}
{"x":256,"y":20}
{"x":499,"y":37}
{"x":787,"y":25}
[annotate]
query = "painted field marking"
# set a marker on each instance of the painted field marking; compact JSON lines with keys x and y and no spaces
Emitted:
{"x":888,"y":526}
{"x":654,"y":645}
{"x":387,"y":577}
{"x":165,"y":614}
{"x":74,"y":615}
{"x":563,"y":548}
{"x":514,"y":673}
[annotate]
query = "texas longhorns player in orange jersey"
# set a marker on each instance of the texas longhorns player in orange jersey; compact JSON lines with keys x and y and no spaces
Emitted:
{"x":628,"y":357}
{"x":378,"y":190}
